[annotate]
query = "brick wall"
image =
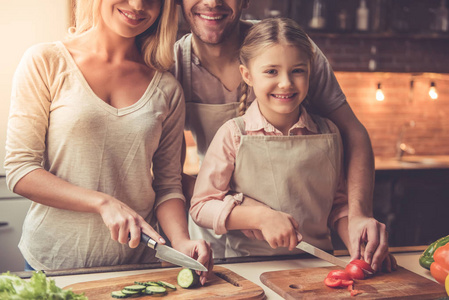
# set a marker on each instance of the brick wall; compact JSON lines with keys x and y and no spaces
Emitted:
{"x":384,"y":120}
{"x":395,"y":53}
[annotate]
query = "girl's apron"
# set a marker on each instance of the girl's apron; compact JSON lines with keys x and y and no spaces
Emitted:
{"x":203,"y":120}
{"x":294,"y":174}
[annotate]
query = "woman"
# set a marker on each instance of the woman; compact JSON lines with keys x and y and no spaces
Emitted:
{"x":94,"y":139}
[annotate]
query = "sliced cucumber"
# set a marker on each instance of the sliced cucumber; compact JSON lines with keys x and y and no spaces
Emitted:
{"x":135,"y":288}
{"x":155,"y":290}
{"x":119,"y":295}
{"x":188,"y":278}
{"x":167,"y":285}
{"x":131,"y":293}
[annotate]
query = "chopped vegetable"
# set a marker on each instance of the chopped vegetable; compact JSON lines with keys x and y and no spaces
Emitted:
{"x":426,"y":258}
{"x":366,"y":267}
{"x":339,"y":274}
{"x":119,"y":295}
{"x":38,"y":287}
{"x":155,"y":290}
{"x":167,"y":285}
{"x":187,"y":278}
{"x":354,"y":271}
{"x":135,"y":288}
{"x":440,"y":267}
{"x":338,"y":278}
{"x":359,"y":269}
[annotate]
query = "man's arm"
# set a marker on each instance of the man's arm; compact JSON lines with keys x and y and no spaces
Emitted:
{"x":359,"y":161}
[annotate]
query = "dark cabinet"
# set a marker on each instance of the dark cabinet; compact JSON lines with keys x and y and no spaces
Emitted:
{"x":414,"y":204}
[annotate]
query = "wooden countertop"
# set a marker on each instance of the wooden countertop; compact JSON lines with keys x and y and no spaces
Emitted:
{"x":412,"y":162}
{"x":253,"y":270}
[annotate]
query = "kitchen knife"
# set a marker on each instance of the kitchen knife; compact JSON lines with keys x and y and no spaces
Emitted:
{"x":306,"y":247}
{"x":171,"y":255}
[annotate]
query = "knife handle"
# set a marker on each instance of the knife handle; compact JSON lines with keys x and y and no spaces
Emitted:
{"x":145,"y":239}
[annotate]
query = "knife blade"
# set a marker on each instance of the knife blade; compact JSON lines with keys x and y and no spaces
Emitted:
{"x":171,"y":255}
{"x":306,"y":247}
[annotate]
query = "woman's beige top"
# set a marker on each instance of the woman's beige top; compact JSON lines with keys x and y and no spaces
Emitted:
{"x":57,"y":123}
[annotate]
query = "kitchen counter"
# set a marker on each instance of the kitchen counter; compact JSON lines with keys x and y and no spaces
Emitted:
{"x":253,"y":270}
{"x":412,"y":162}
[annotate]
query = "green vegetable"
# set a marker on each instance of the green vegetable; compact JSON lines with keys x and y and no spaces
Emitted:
{"x":426,"y":258}
{"x":155,"y":290}
{"x":135,"y":288}
{"x":12,"y":287}
{"x":167,"y":285}
{"x":187,"y":278}
{"x":119,"y":295}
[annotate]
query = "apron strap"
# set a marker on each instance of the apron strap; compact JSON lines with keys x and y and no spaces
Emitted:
{"x":187,"y":67}
{"x":241,"y":125}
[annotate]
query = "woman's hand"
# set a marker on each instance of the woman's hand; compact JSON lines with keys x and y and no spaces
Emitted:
{"x":279,"y":229}
{"x":199,"y":250}
{"x":125,"y":224}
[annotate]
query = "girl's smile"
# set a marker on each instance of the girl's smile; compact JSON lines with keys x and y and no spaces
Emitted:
{"x":279,"y":75}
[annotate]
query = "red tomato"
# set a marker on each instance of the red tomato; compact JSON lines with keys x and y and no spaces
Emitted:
{"x":339,"y":274}
{"x":332,"y":282}
{"x":354,"y":271}
{"x":347,"y":283}
{"x":363,"y":265}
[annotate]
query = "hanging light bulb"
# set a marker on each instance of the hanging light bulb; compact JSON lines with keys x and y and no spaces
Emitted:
{"x":379,"y":94}
{"x":433,"y":91}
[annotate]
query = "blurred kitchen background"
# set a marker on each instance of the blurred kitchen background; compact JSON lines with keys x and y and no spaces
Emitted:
{"x":395,"y":48}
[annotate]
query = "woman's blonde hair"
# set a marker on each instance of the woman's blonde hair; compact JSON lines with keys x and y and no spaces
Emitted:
{"x":267,"y":33}
{"x":155,"y":44}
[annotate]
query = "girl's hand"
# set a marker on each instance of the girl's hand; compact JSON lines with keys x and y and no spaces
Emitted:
{"x":279,"y":229}
{"x":199,"y":250}
{"x":125,"y":224}
{"x":253,"y":234}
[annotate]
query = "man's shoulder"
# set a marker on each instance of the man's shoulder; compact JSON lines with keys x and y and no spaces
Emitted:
{"x":183,"y":42}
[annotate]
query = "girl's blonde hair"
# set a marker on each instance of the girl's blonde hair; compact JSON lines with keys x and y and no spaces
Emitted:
{"x":155,"y":44}
{"x":266,"y":33}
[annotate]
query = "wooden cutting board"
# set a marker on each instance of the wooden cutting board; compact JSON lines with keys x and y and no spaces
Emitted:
{"x":223,"y":284}
{"x":309,"y":284}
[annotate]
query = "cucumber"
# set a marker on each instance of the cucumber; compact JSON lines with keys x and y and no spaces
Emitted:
{"x":147,"y":283}
{"x":135,"y":288}
{"x":131,"y":293}
{"x":155,"y":290}
{"x":167,"y":285}
{"x":187,"y":278}
{"x":118,"y":295}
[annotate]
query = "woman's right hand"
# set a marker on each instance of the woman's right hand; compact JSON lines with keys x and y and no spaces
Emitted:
{"x":279,"y":229}
{"x":125,"y":225}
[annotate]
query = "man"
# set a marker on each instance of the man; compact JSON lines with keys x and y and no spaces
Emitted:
{"x":207,"y":65}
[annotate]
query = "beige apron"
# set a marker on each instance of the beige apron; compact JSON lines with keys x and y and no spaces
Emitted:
{"x":203,"y":120}
{"x":294,"y":174}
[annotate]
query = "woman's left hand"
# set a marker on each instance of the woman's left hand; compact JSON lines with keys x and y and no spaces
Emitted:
{"x":202,"y":252}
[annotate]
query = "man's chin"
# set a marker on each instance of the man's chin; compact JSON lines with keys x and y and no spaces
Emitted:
{"x":211,"y":38}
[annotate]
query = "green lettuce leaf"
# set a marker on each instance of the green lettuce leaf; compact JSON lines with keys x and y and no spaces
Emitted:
{"x":39,"y":287}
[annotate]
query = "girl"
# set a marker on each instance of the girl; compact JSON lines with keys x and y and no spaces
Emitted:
{"x":277,"y":153}
{"x":94,"y":138}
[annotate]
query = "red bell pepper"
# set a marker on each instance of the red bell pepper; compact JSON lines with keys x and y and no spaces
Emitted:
{"x":440,"y":267}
